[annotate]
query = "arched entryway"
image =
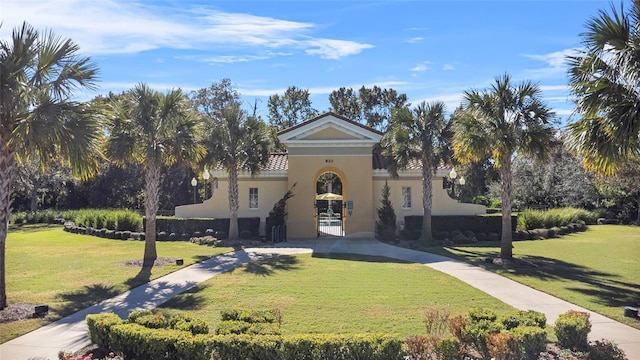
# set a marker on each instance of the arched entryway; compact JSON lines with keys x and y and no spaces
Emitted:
{"x":329,"y":203}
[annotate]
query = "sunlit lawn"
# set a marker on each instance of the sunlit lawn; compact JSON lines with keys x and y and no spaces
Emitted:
{"x":69,"y":272}
{"x":348,"y":295}
{"x":598,"y":269}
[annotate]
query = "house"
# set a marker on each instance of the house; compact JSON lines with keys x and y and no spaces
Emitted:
{"x":339,"y":174}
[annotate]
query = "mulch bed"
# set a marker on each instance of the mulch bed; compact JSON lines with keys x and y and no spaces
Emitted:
{"x":17,"y":312}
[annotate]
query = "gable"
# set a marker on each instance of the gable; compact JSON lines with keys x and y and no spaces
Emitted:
{"x":329,"y":128}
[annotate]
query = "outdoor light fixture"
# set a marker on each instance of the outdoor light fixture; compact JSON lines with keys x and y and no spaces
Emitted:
{"x":206,"y":176}
{"x":194,"y":183}
{"x":462,"y":181}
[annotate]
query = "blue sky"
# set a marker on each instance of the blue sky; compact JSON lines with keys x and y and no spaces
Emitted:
{"x":429,"y":50}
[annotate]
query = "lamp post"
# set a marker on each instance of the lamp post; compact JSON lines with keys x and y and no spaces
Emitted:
{"x":194,"y":183}
{"x":205,"y":176}
{"x":453,"y":175}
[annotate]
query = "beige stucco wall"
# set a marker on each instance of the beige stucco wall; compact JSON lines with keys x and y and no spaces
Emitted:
{"x":355,"y":173}
{"x":270,"y":190}
{"x":442,"y":203}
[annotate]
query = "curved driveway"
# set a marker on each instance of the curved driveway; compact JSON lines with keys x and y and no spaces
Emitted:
{"x":70,"y":333}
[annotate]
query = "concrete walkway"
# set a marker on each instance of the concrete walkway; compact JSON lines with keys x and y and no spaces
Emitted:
{"x":70,"y":333}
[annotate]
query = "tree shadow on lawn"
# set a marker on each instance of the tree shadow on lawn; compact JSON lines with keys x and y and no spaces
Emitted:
{"x":602,"y":288}
{"x":268,"y":267}
{"x":188,"y":300}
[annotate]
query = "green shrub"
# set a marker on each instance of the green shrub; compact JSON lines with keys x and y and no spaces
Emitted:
{"x":100,"y":327}
{"x":248,"y":315}
{"x":479,"y":314}
{"x":188,"y":323}
{"x":152,"y":321}
{"x":605,"y":350}
{"x":475,"y":334}
{"x":205,"y":240}
{"x":448,"y":348}
{"x":531,"y":339}
{"x":535,"y":219}
{"x":524,"y":318}
{"x":572,"y":329}
{"x":135,"y":314}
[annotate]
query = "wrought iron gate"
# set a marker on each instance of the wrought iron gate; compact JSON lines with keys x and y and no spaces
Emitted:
{"x":330,"y":223}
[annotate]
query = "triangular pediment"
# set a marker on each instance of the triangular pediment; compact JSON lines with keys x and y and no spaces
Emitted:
{"x":329,"y":128}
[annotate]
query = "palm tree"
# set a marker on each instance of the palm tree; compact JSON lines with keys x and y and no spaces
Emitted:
{"x":38,"y":119}
{"x":154,"y":130}
{"x":237,"y":142}
{"x":502,"y":122}
{"x":605,"y":80}
{"x":420,"y":135}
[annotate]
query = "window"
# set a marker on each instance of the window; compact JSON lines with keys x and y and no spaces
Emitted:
{"x":253,"y":198}
{"x":406,"y":197}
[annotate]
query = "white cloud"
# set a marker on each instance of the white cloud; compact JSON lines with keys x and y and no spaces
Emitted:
{"x":414,"y":40}
{"x":113,"y":26}
{"x":334,"y":49}
{"x":555,"y":61}
{"x":422,"y":67}
{"x":448,"y":67}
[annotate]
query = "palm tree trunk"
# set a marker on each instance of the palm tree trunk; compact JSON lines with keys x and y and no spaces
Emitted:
{"x":427,"y":202}
{"x":233,"y":202}
{"x":506,"y":242}
{"x":152,"y":180}
{"x":7,"y":171}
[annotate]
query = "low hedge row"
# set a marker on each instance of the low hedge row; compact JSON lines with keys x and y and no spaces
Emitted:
{"x":475,"y":223}
{"x":134,"y":340}
{"x":175,"y":225}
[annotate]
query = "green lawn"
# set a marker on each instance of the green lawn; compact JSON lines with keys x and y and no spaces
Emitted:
{"x":69,"y":272}
{"x":598,"y":269}
{"x":347,"y":295}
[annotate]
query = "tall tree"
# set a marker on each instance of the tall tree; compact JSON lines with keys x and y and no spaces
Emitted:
{"x":38,"y":75}
{"x":501,"y":122}
{"x":370,"y":106}
{"x":421,"y":135}
{"x":291,"y":108}
{"x":624,"y":186}
{"x":153,"y":129}
{"x":210,"y":101}
{"x":605,"y":80}
{"x":237,"y":142}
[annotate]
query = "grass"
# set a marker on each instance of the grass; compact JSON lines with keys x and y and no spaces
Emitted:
{"x":351,"y":294}
{"x":598,"y":269}
{"x":69,"y":272}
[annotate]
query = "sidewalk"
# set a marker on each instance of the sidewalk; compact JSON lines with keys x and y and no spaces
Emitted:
{"x":70,"y":333}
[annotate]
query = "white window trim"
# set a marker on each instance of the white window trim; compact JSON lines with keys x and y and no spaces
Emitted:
{"x":402,"y":198}
{"x":257,"y":207}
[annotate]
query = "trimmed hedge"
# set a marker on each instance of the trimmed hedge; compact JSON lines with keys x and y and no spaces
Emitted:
{"x":136,"y":341}
{"x":475,"y":223}
{"x":219,"y":226}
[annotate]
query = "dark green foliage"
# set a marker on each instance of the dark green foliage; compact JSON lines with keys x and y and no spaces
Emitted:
{"x":205,"y":240}
{"x":572,"y":329}
{"x":245,"y":234}
{"x":248,"y":315}
{"x":483,"y":224}
{"x":278,"y":213}
{"x":151,"y":321}
{"x":448,"y":348}
{"x":386,"y":223}
{"x":220,"y":226}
